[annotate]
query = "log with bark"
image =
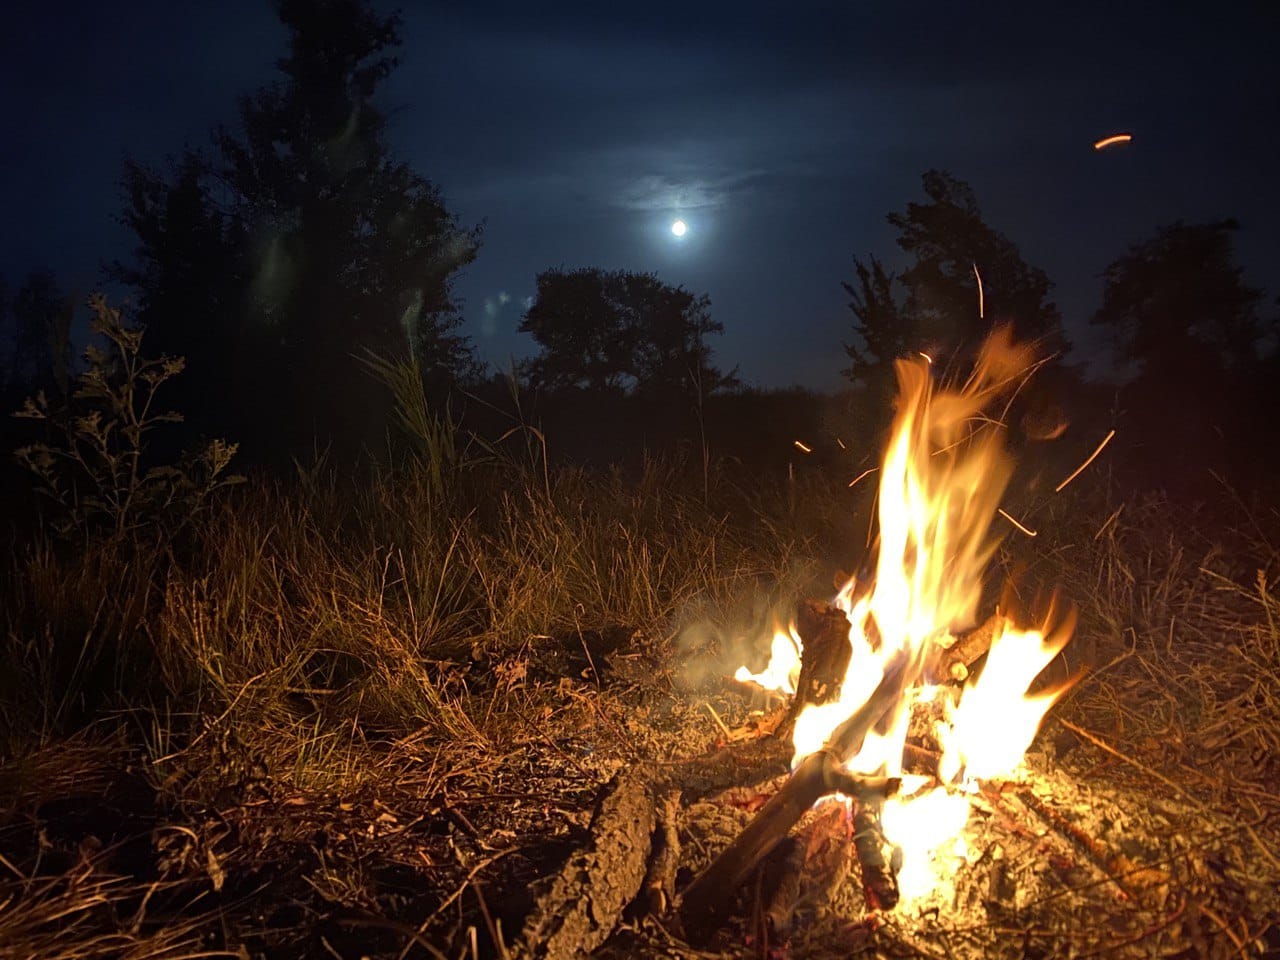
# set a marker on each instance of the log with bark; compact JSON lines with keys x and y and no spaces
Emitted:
{"x":634,"y":847}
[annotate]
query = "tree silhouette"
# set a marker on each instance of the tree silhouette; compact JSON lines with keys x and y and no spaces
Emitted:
{"x":1177,"y":303}
{"x":612,"y":331}
{"x":882,"y":327}
{"x":36,"y":325}
{"x":1177,"y":308}
{"x":297,"y":242}
{"x":942,"y":309}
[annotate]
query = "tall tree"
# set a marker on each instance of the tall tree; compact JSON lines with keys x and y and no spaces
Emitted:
{"x":618,"y":330}
{"x":1178,"y":309}
{"x":298,"y":242}
{"x":963,"y":277}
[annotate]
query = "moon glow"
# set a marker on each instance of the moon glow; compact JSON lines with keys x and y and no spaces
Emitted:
{"x":679,"y":228}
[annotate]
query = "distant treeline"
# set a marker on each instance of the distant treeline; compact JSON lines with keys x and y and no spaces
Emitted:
{"x":294,"y":257}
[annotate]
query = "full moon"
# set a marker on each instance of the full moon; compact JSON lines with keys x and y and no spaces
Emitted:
{"x":679,"y":228}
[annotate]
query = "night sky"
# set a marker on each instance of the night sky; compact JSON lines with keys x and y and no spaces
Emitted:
{"x":782,"y":134}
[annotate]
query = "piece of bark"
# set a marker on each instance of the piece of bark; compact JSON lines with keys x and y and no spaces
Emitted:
{"x":577,"y":909}
{"x":705,"y":902}
{"x":824,"y":637}
{"x":660,"y":879}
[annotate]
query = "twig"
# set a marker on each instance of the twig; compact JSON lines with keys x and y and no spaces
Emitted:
{"x":1241,"y":946}
{"x":448,"y":901}
{"x":716,"y":717}
{"x":1103,"y":745}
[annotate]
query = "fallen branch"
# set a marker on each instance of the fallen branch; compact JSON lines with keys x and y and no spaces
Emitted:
{"x":704,"y":903}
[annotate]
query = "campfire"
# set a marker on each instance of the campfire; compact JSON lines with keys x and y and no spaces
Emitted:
{"x":906,"y":709}
{"x":877,"y":719}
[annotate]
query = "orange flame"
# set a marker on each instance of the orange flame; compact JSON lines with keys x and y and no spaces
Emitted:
{"x":941,"y":479}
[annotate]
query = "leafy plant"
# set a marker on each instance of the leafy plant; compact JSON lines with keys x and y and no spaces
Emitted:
{"x":97,"y":470}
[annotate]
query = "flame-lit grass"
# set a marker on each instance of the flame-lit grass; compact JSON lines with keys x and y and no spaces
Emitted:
{"x":360,"y":644}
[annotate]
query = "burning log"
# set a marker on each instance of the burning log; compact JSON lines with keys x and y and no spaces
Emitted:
{"x":704,"y":904}
{"x":953,"y":662}
{"x":824,"y":632}
{"x":879,"y":882}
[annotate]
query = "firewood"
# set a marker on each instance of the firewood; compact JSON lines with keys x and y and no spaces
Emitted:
{"x":704,"y":903}
{"x":879,"y":882}
{"x":954,"y":662}
{"x":824,"y":635}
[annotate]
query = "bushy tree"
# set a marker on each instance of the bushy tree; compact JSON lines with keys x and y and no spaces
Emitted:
{"x":1179,"y":312}
{"x":882,"y":327}
{"x":297,"y":242}
{"x":1177,"y":302}
{"x":619,"y":330}
{"x":940,"y":308}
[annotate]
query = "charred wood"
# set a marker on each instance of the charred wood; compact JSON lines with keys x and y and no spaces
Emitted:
{"x":704,"y":904}
{"x":783,"y":872}
{"x":824,"y":634}
{"x":879,"y":882}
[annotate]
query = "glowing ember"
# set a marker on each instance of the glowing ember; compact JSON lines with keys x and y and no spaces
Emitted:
{"x":1112,"y":141}
{"x":941,"y":479}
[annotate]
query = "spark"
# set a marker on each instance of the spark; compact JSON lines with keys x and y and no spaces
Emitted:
{"x":1092,"y":457}
{"x":1112,"y":141}
{"x":863,"y":474}
{"x":927,"y":359}
{"x":1027,"y":530}
{"x":802,"y":447}
{"x":841,"y":442}
{"x":982,"y":307}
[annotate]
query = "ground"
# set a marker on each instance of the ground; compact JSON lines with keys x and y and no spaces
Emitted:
{"x":386,"y":743}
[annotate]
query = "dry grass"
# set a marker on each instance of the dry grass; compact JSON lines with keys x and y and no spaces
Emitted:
{"x":356,"y":695}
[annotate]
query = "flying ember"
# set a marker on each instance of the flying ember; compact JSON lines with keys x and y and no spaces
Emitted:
{"x":1113,"y":141}
{"x":941,"y":480}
